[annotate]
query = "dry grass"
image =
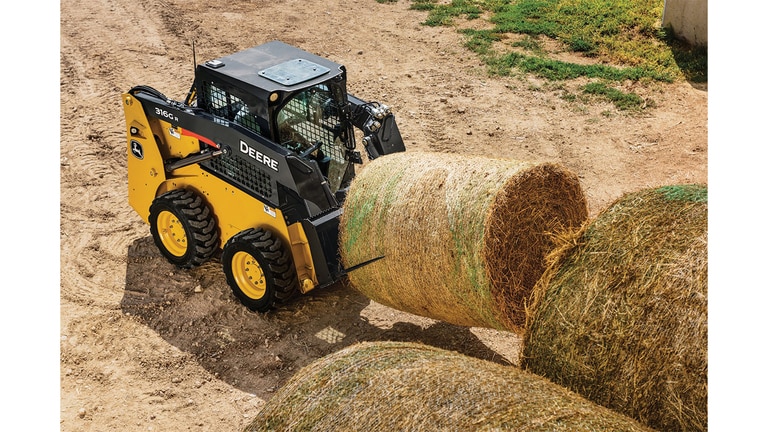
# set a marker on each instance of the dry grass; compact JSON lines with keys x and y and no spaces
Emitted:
{"x":464,"y":238}
{"x":621,"y":314}
{"x":397,"y":386}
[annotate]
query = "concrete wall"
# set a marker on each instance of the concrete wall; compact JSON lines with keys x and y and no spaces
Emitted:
{"x":688,"y":19}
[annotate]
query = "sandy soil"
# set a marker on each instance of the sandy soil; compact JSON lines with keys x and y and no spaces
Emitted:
{"x":144,"y":346}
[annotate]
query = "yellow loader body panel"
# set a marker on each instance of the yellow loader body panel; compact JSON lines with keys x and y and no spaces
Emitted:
{"x":234,"y":209}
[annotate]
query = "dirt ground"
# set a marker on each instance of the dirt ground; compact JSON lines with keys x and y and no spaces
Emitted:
{"x":144,"y":346}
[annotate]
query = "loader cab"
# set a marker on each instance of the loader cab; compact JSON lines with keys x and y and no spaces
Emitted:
{"x":285,"y":94}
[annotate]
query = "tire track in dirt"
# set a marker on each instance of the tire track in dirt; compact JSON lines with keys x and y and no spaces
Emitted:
{"x":95,"y":37}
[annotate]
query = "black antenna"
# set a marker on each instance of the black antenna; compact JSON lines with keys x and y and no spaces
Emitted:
{"x":191,"y":95}
{"x":194,"y":56}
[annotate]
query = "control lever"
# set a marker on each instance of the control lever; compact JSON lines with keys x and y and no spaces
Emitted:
{"x":309,"y":151}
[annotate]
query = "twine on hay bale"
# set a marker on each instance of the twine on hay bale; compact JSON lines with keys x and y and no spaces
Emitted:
{"x":464,"y":238}
{"x":399,"y":386}
{"x":620,"y":316}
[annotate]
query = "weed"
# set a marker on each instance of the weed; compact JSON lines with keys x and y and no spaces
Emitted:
{"x":568,"y":97}
{"x":530,"y":43}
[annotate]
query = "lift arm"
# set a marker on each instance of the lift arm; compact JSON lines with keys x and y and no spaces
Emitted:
{"x":380,"y":133}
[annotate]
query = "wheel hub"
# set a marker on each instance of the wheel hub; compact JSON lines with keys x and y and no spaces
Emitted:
{"x":172,"y":233}
{"x":249,"y":275}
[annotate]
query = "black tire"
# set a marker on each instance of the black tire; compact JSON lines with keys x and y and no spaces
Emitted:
{"x":258,"y":269}
{"x":183,"y":228}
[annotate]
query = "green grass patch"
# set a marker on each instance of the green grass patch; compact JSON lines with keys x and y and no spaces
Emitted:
{"x":423,"y":5}
{"x":443,"y":14}
{"x":530,"y":43}
{"x":622,"y":100}
{"x":559,"y":70}
{"x":481,"y":41}
{"x":623,"y":33}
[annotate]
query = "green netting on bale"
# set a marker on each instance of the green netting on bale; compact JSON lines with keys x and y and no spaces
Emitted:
{"x":620,"y":316}
{"x":464,"y":238}
{"x":399,"y":386}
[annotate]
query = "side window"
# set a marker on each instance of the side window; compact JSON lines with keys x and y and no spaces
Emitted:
{"x":226,"y":105}
{"x":217,"y":99}
{"x":243,"y":117}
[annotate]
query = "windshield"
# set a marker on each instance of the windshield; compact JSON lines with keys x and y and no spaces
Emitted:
{"x":312,"y":116}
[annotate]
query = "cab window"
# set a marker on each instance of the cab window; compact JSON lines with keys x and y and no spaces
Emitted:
{"x":228,"y":106}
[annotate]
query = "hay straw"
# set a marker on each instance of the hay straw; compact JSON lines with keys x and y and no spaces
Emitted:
{"x":398,"y":386}
{"x":620,"y":316}
{"x":464,"y":238}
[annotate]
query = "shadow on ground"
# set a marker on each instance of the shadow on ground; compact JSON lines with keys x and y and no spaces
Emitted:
{"x":195,"y":311}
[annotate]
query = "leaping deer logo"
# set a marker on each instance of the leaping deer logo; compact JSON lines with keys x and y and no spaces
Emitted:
{"x":137,"y":150}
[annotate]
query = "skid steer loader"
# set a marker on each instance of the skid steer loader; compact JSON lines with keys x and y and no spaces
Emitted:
{"x":253,"y":166}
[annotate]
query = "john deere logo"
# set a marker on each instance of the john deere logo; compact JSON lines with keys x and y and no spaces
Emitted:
{"x":137,"y":150}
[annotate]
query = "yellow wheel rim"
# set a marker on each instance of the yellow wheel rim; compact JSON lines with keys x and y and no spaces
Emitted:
{"x":172,"y":233}
{"x":249,"y":275}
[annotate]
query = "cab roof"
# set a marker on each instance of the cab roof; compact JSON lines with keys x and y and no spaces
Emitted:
{"x":274,"y":66}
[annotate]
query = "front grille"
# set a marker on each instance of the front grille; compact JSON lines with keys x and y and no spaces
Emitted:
{"x":246,"y":174}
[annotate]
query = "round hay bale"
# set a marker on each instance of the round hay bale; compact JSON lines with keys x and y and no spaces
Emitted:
{"x":399,"y":386}
{"x":464,"y":238}
{"x":620,"y":316}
